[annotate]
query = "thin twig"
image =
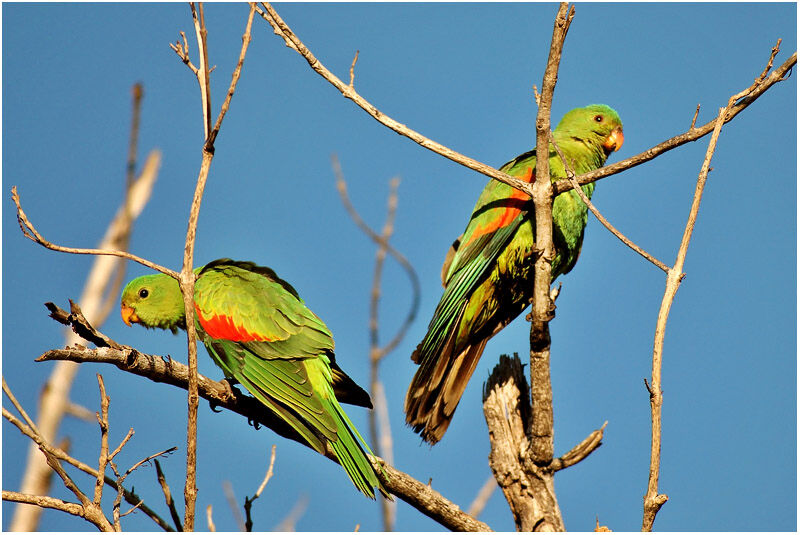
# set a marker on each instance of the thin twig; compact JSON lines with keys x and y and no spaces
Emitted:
{"x":248,"y":502}
{"x":292,"y":41}
{"x":233,"y":505}
{"x":755,"y":90}
{"x":282,"y":30}
{"x":102,"y":419}
{"x":183,"y":52}
{"x":352,"y":69}
{"x":289,"y":522}
{"x":60,"y":454}
{"x":210,"y":519}
{"x":341,"y":186}
{"x":80,"y":412}
{"x":31,"y":233}
{"x":122,"y":444}
{"x":162,"y":481}
{"x":580,"y":451}
{"x":691,"y":127}
{"x":121,"y":478}
{"x":18,"y":406}
{"x":624,"y":239}
{"x":234,"y":80}
{"x":482,"y":498}
{"x":203,"y":74}
{"x":653,"y":500}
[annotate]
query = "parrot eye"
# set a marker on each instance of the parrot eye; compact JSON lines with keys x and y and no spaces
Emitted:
{"x":143,"y":293}
{"x":598,"y":118}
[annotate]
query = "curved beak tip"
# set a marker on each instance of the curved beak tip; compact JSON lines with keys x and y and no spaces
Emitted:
{"x":127,"y":314}
{"x":614,"y":141}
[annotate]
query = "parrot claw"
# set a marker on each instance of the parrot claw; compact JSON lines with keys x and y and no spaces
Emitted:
{"x":230,"y":391}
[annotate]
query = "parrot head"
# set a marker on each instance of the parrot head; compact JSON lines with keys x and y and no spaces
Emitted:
{"x":596,"y":124}
{"x":154,"y":301}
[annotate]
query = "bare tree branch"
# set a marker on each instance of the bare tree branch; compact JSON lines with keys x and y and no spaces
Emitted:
{"x":162,"y":481}
{"x":88,"y":510}
{"x":427,"y":501}
{"x":541,"y":423}
{"x":693,"y":134}
{"x":211,"y":527}
{"x":43,"y":502}
{"x":482,"y":498}
{"x":186,"y":278}
{"x":292,"y":41}
{"x":653,"y":500}
{"x":234,"y":80}
{"x":248,"y":502}
{"x":577,"y":188}
{"x":341,"y":186}
{"x":60,"y":454}
{"x":31,"y":233}
{"x":289,"y":522}
{"x":102,"y":419}
{"x":164,"y":370}
{"x":380,"y":431}
{"x":233,"y":504}
{"x":528,"y":488}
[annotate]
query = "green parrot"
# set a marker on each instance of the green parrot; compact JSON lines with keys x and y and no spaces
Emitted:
{"x":488,"y":272}
{"x":258,"y":330}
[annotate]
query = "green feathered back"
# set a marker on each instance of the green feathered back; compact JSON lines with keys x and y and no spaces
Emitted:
{"x":260,"y":333}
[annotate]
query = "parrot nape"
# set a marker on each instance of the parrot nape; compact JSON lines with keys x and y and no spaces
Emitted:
{"x":258,"y":330}
{"x":488,"y":273}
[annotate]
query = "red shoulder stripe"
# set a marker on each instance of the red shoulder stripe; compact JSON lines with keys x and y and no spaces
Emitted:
{"x":223,"y":328}
{"x":509,"y":213}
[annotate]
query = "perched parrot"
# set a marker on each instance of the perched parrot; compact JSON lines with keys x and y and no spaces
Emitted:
{"x":258,"y":330}
{"x":488,"y":273}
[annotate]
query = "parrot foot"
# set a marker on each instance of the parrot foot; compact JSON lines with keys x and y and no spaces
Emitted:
{"x":230,"y":393}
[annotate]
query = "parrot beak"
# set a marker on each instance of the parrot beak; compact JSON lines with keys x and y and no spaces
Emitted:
{"x":128,"y":315}
{"x":614,"y":141}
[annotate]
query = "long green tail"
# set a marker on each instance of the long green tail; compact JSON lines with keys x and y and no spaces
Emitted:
{"x":348,"y":445}
{"x":308,"y":406}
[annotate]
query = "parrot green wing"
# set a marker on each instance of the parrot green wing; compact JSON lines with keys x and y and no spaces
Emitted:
{"x":497,"y":215}
{"x":259,"y":331}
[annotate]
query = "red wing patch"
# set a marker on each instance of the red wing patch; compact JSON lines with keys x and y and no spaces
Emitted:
{"x":223,"y":328}
{"x":509,"y":213}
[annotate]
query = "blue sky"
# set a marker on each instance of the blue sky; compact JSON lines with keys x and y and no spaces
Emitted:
{"x":460,"y":74}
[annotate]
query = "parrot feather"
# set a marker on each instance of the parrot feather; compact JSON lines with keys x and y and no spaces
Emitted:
{"x":261,"y":334}
{"x":487,"y":273}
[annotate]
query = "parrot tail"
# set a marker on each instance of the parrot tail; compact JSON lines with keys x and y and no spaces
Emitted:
{"x":440,"y":381}
{"x":350,"y":448}
{"x":353,"y":454}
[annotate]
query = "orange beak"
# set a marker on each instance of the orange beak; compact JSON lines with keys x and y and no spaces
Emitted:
{"x":128,"y":315}
{"x":614,"y":140}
